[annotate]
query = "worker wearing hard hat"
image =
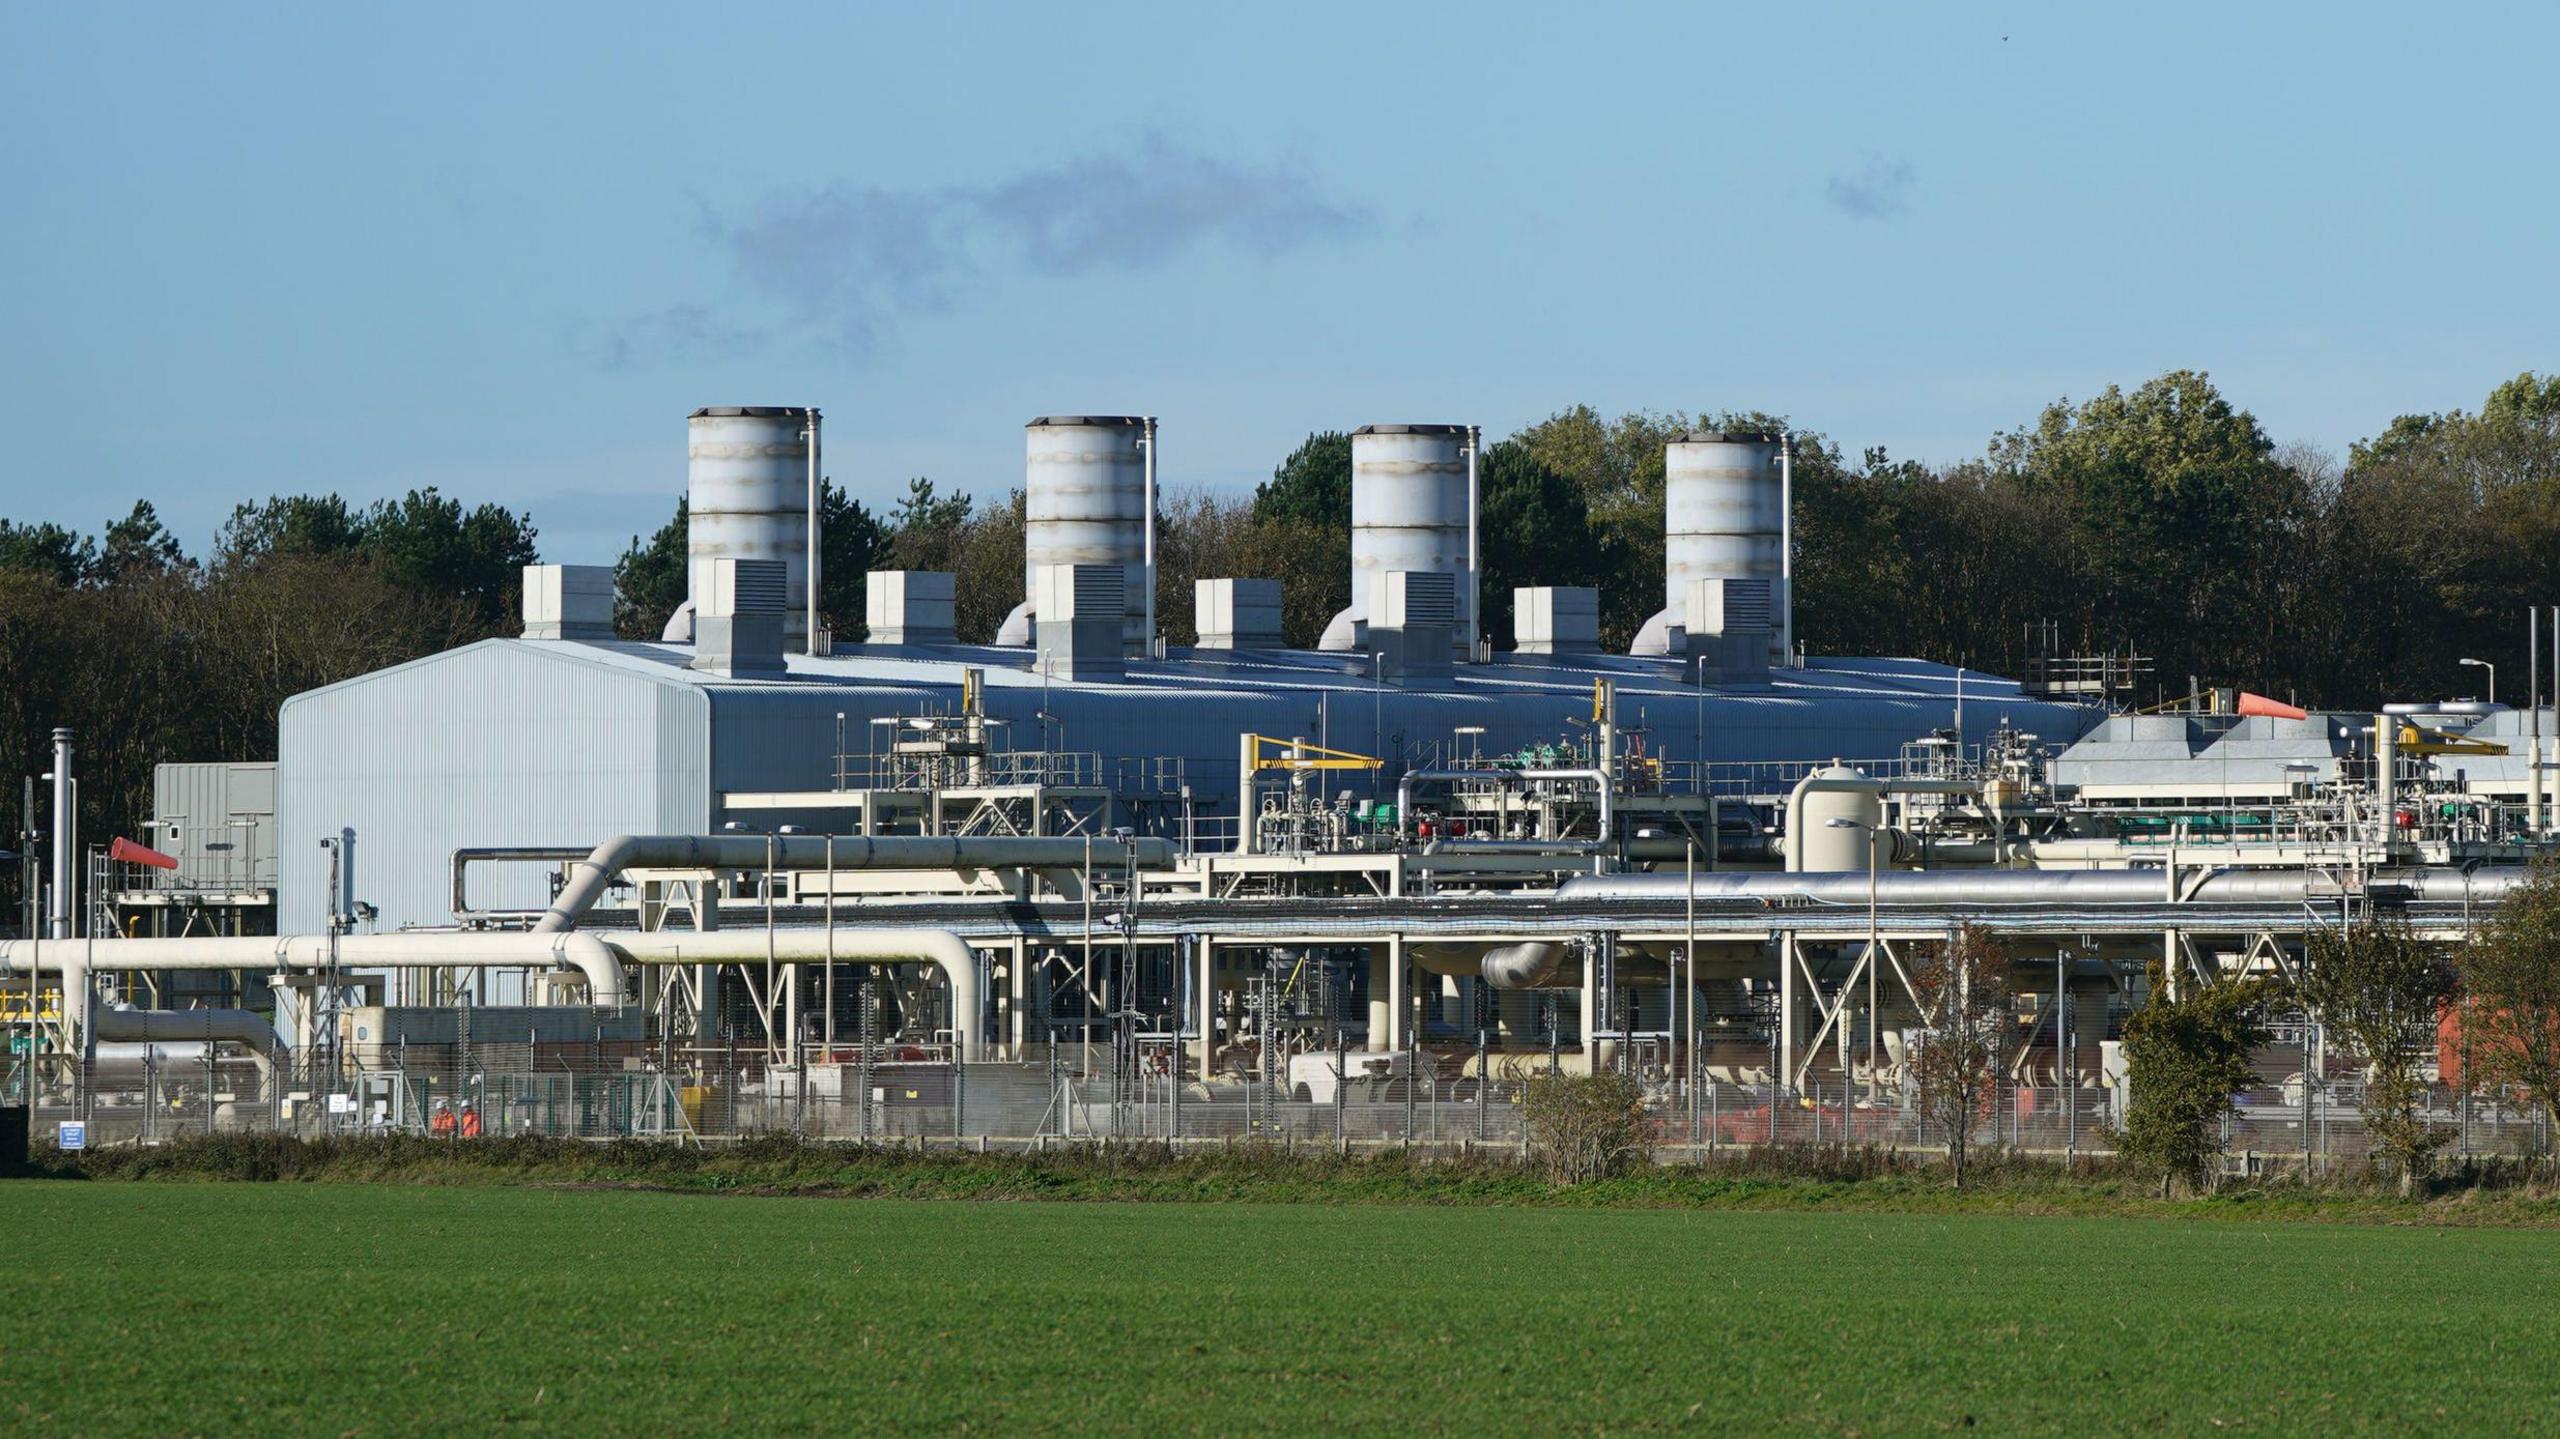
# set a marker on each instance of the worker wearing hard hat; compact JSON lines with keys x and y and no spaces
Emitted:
{"x":470,"y":1120}
{"x":440,"y":1124}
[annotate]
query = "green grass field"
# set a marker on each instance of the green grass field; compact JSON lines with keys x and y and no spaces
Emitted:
{"x":364,"y":1309}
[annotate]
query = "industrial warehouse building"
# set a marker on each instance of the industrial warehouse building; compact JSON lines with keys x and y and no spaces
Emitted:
{"x":568,"y":735}
{"x":1411,"y":832}
{"x":566,"y":742}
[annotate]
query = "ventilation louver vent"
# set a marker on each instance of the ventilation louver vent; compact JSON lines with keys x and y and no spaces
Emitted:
{"x":1100,"y":590}
{"x":1747,"y":606}
{"x":756,"y":589}
{"x":1407,"y":599}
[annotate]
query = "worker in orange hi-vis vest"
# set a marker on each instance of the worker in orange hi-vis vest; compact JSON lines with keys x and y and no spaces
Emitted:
{"x":470,"y":1121}
{"x":440,"y":1123}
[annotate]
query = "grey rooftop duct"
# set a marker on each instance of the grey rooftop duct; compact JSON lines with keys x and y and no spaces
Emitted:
{"x":909,"y":607}
{"x":1237,"y":614}
{"x":568,"y":602}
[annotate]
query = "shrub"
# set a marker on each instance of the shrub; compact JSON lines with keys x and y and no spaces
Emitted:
{"x":1586,"y":1127}
{"x":2185,"y":1057}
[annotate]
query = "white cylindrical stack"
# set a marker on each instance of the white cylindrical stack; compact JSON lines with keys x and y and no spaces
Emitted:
{"x":1084,"y":480}
{"x":747,"y":498}
{"x":1408,"y":513}
{"x":1724,"y":518}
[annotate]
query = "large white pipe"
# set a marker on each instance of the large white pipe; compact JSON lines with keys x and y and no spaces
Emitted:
{"x":585,"y":951}
{"x":938,"y":947}
{"x":486,"y":949}
{"x":1532,"y":964}
{"x":238,"y":1026}
{"x":589,"y":877}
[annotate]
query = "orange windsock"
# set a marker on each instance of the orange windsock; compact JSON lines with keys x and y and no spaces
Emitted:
{"x":125,"y":851}
{"x":2264,"y":708}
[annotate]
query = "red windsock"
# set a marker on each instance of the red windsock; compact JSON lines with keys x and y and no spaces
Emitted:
{"x":125,"y":851}
{"x":2264,"y":708}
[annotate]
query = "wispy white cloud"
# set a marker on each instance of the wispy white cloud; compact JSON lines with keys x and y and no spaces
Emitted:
{"x":1877,"y":188}
{"x":847,"y":264}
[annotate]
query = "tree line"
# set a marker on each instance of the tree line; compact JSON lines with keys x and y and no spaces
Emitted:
{"x":2163,"y":520}
{"x":151,"y":655}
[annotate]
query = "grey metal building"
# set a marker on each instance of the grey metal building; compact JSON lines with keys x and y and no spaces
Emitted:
{"x":566,"y":742}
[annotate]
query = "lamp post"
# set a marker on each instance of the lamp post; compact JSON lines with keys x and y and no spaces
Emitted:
{"x":2493,"y":676}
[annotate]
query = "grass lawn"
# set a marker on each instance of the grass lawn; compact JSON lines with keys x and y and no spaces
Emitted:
{"x":355,"y":1309}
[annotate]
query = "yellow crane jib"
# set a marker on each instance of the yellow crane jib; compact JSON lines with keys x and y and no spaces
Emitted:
{"x":2414,"y":739}
{"x":1261,"y":752}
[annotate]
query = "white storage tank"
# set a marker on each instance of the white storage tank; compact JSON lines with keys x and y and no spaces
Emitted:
{"x":1835,"y":822}
{"x":747,"y":498}
{"x":1409,"y":512}
{"x":1084,"y":481}
{"x":1724,"y":518}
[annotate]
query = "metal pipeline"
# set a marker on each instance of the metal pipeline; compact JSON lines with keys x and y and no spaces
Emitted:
{"x":1516,"y":846}
{"x":2045,"y":887}
{"x":238,"y":1026}
{"x":504,"y":949}
{"x":938,"y":947}
{"x":1530,"y":965}
{"x":585,"y":951}
{"x":464,"y":858}
{"x":589,"y":877}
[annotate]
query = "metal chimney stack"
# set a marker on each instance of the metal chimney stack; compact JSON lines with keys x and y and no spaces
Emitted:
{"x":1725,"y":520}
{"x":1412,"y":512}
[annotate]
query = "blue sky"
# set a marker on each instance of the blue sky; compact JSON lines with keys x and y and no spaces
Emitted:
{"x":504,"y":250}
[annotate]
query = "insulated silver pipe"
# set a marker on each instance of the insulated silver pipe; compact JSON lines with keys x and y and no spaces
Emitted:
{"x":2043,"y":887}
{"x":250,"y":1031}
{"x":1532,"y":964}
{"x":310,"y":953}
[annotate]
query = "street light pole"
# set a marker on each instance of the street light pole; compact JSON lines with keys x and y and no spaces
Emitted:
{"x":2493,"y":676}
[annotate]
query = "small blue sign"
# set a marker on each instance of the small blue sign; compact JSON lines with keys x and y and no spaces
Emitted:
{"x":73,"y":1135}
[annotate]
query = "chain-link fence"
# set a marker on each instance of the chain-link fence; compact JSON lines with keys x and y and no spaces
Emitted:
{"x":917,"y":1095}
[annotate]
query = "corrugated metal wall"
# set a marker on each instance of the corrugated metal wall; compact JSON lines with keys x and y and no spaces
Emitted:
{"x":499,"y":743}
